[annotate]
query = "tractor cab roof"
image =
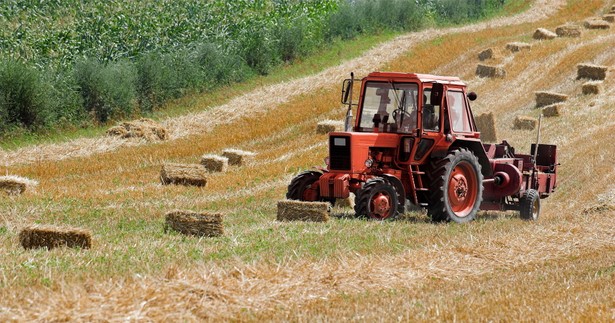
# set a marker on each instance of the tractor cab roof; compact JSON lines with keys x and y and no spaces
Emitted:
{"x":409,"y":77}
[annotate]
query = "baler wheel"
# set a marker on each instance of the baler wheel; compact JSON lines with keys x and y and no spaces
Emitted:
{"x":456,"y":187}
{"x":304,"y":187}
{"x":529,"y":207}
{"x":377,"y":200}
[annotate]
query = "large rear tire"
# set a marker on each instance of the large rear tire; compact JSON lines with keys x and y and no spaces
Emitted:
{"x":304,"y":187}
{"x":456,"y":187}
{"x":377,"y":199}
{"x":529,"y":206}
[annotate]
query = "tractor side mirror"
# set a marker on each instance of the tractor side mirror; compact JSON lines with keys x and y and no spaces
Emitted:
{"x":472,"y":96}
{"x":346,"y":89}
{"x":437,"y":92}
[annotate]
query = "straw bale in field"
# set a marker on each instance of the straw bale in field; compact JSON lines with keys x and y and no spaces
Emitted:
{"x":236,"y":156}
{"x":609,"y":18}
{"x":518,"y":46}
{"x":46,"y":236}
{"x":592,"y":88}
{"x":613,"y":9}
{"x":592,"y":72}
{"x":596,"y":24}
{"x":214,"y":163}
{"x":486,"y":54}
{"x":568,"y":31}
{"x":490,"y":71}
{"x":142,"y":128}
{"x":544,"y":34}
{"x":326,"y":126}
{"x":290,"y":210}
{"x":525,"y":123}
{"x":553,"y":110}
{"x":183,"y":174}
{"x":15,"y":185}
{"x":544,"y":98}
{"x":193,"y":223}
{"x":347,"y":202}
{"x":486,"y":125}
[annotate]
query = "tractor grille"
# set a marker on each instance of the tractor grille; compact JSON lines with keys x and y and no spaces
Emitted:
{"x":339,"y":153}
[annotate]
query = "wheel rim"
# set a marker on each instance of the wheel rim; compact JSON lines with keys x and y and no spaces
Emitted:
{"x":380,"y":206}
{"x":535,"y":209}
{"x":462,"y":189}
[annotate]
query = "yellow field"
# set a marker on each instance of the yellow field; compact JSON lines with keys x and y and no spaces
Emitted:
{"x":497,"y":268}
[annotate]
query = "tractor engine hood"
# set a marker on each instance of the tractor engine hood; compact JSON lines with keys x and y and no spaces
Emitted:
{"x":348,"y":151}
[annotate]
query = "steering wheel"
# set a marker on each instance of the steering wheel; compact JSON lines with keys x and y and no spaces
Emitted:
{"x":397,"y":112}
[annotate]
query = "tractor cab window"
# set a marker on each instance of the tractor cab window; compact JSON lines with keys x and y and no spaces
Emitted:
{"x":458,"y":112}
{"x":389,"y":106}
{"x":431,"y":112}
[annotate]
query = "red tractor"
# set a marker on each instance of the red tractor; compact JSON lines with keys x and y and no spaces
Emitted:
{"x":415,"y":140}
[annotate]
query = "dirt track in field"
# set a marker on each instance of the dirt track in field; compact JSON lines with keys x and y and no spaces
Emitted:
{"x":268,"y":97}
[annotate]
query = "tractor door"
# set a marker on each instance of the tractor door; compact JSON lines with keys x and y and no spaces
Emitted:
{"x":429,"y":134}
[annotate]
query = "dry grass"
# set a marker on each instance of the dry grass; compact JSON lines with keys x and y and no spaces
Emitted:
{"x":50,"y":237}
{"x":15,"y":185}
{"x":183,"y":174}
{"x":289,"y":210}
{"x":194,"y":223}
{"x":544,"y":34}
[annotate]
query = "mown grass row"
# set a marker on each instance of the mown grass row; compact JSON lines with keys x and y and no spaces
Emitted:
{"x":67,"y":64}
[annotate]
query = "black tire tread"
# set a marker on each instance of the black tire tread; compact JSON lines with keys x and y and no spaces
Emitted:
{"x":526,"y":204}
{"x":299,"y":183}
{"x":363,"y":195}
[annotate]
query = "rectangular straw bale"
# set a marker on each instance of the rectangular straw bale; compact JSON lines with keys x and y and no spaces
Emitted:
{"x":490,"y":71}
{"x":486,"y":54}
{"x":544,"y":34}
{"x":142,"y":128}
{"x":214,"y":163}
{"x":237,"y":157}
{"x":289,"y":210}
{"x":592,"y":88}
{"x":345,"y":203}
{"x":15,"y":185}
{"x":596,"y":24}
{"x":568,"y":31}
{"x":613,"y":9}
{"x":591,"y":71}
{"x":486,"y":125}
{"x":46,"y":236}
{"x":183,"y":174}
{"x":194,"y":223}
{"x":553,"y":110}
{"x":326,"y":126}
{"x":544,"y":98}
{"x":518,"y":46}
{"x":609,"y":18}
{"x":525,"y":123}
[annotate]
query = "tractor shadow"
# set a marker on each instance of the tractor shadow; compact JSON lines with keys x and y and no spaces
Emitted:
{"x":420,"y":216}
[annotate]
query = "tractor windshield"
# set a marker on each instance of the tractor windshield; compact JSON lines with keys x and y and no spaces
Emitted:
{"x":389,"y":106}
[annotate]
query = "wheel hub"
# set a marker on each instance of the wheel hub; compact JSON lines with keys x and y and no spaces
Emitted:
{"x":462,"y":189}
{"x":381,"y":205}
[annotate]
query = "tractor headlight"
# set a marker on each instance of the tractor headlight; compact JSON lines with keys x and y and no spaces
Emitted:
{"x":369,"y":163}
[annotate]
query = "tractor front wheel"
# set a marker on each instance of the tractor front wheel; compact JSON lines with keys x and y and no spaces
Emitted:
{"x":529,"y":207}
{"x":377,"y":200}
{"x":456,"y":187}
{"x":304,"y":187}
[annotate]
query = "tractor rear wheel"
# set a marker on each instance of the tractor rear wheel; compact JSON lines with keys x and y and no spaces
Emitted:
{"x":529,"y":206}
{"x":456,"y":187}
{"x":304,"y":187}
{"x":377,"y":199}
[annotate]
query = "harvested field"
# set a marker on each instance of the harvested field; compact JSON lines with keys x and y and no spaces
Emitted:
{"x":525,"y":123}
{"x":15,"y":185}
{"x":553,"y":110}
{"x":50,"y":237}
{"x":543,"y":34}
{"x":596,"y":24}
{"x":486,"y":125}
{"x":490,"y":71}
{"x":183,"y":174}
{"x":592,"y":88}
{"x":572,"y":31}
{"x":214,"y":163}
{"x":326,"y":126}
{"x":194,"y":223}
{"x":486,"y":54}
{"x":518,"y":46}
{"x":592,"y":72}
{"x":545,"y":98}
{"x":144,"y":128}
{"x":289,"y":210}
{"x":237,"y":157}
